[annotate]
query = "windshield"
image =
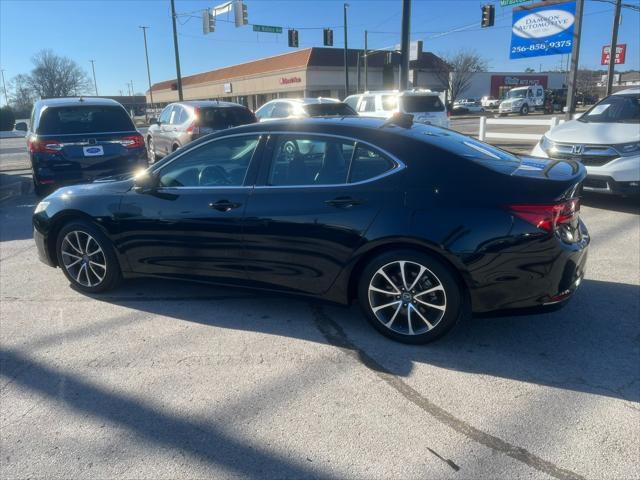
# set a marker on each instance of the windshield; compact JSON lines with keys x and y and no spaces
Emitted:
{"x":516,"y":94}
{"x":84,"y":119}
{"x":615,"y":109}
{"x":422,"y":103}
{"x":329,"y":109}
{"x":225,"y":117}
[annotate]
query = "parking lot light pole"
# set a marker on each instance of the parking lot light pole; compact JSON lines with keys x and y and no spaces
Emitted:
{"x":575,"y":57}
{"x":93,"y":68}
{"x":366,"y":62}
{"x":175,"y":47}
{"x":404,"y":44}
{"x":4,"y":88}
{"x":346,"y":65}
{"x":612,"y":48}
{"x":146,"y":54}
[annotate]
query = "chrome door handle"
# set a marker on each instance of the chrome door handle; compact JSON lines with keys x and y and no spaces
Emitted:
{"x":224,"y":205}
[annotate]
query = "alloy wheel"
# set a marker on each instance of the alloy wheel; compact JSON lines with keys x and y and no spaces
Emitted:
{"x":83,"y":258}
{"x":407,"y":297}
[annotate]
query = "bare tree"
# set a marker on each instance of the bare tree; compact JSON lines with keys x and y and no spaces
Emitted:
{"x":22,"y":95}
{"x":57,"y":76}
{"x":460,"y":67}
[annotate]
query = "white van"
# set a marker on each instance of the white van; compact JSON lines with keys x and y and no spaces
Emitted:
{"x":425,"y":106}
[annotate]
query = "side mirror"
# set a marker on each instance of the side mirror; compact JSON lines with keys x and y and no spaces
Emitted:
{"x":22,"y":126}
{"x":145,"y":182}
{"x":153,"y":120}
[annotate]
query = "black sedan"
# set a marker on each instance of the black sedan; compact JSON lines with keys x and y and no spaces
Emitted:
{"x":420,"y":224}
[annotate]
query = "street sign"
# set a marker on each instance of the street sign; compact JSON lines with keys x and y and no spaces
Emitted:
{"x":621,"y":53}
{"x":508,"y":3}
{"x":542,"y":29}
{"x":267,"y":29}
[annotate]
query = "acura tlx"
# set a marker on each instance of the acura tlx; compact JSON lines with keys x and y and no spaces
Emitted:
{"x":419,"y":224}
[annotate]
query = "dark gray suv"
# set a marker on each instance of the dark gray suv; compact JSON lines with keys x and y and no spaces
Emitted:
{"x":182,"y":122}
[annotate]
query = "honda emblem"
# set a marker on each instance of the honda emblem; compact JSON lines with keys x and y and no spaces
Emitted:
{"x":576,"y":149}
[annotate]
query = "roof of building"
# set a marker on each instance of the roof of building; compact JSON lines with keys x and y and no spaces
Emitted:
{"x":308,"y":57}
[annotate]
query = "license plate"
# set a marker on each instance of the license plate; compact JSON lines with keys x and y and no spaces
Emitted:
{"x":93,"y":151}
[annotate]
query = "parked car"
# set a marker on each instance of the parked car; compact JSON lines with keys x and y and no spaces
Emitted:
{"x":182,"y":122}
{"x":425,"y":106}
{"x":489,"y":102}
{"x":303,"y":107}
{"x":523,"y":100}
{"x":467,"y":106}
{"x":76,"y":140}
{"x":606,"y":139}
{"x":420,"y":224}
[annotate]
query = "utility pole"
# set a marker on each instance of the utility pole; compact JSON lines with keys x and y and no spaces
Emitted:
{"x":93,"y":68}
{"x":175,"y":47}
{"x":366,"y":61}
{"x":358,"y":74}
{"x":146,"y":54}
{"x":4,"y":87}
{"x":614,"y":44}
{"x":346,"y":65}
{"x":404,"y":44}
{"x":133,"y":92}
{"x":575,"y":57}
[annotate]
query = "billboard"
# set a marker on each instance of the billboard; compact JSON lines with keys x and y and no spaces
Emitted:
{"x":621,"y":54}
{"x":542,"y":29}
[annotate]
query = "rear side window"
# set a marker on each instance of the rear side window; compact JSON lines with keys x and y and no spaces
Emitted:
{"x":84,"y":119}
{"x":227,"y":117}
{"x":422,"y":103}
{"x":368,"y":163}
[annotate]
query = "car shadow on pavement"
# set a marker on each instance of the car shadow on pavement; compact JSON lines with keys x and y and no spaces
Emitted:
{"x":15,"y":217}
{"x":592,"y":345}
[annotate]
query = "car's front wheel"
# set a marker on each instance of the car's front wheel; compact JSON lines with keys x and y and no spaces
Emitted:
{"x":524,"y":110}
{"x":86,"y":257}
{"x":409,"y":296}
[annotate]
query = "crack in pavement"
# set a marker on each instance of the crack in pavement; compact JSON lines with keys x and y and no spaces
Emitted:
{"x":334,"y":334}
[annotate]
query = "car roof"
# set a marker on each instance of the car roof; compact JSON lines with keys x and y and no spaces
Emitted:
{"x":71,"y":101}
{"x":208,"y":103}
{"x":628,"y":91}
{"x":306,"y":100}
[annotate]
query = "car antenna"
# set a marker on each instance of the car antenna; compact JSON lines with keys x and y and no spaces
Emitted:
{"x":403,"y":120}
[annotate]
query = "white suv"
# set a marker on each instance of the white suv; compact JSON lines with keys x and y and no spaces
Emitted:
{"x":425,"y":106}
{"x":606,"y":139}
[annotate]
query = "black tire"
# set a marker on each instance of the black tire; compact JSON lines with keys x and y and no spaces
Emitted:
{"x":112,"y":274}
{"x":407,"y":326}
{"x":40,"y":190}
{"x":524,"y":110}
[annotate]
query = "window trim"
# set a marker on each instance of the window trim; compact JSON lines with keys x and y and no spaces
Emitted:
{"x":259,"y":149}
{"x":399,"y":165}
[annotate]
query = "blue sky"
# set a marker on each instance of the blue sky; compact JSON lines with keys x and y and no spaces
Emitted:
{"x":107,"y":31}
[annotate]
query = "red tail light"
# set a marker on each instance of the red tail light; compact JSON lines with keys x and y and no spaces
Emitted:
{"x":44,"y":146}
{"x":547,"y":217}
{"x":131,"y":141}
{"x":193,"y":128}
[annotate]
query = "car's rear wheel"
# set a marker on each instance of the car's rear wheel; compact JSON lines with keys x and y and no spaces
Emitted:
{"x":40,"y":190}
{"x":410,"y":296}
{"x":86,"y":257}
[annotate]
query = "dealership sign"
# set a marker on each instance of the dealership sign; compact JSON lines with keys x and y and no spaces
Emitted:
{"x":621,"y":53}
{"x":508,"y":3}
{"x":540,"y":30}
{"x":289,"y":80}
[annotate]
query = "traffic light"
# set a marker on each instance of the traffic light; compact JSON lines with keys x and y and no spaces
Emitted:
{"x":208,"y":22}
{"x":488,"y":15}
{"x":241,"y":14}
{"x":328,"y":37}
{"x":293,"y":38}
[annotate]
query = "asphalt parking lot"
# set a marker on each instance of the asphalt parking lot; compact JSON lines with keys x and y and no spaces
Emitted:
{"x":166,"y":380}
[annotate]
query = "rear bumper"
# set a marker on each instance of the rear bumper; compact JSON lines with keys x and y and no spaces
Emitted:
{"x":542,"y":273}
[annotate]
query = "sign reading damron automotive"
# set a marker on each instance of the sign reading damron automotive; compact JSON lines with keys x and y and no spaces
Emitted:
{"x":542,"y":29}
